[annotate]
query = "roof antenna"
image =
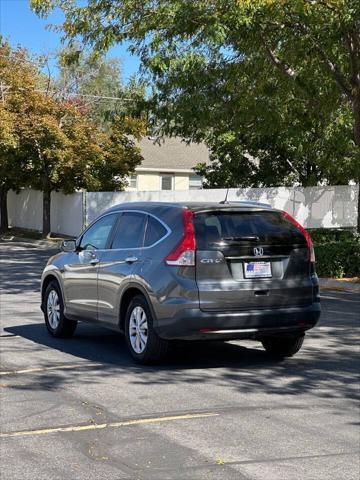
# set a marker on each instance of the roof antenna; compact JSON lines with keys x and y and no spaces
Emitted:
{"x":225,"y":201}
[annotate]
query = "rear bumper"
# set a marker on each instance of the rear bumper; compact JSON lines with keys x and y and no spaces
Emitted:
{"x":194,"y":324}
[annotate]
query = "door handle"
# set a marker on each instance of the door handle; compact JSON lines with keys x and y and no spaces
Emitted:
{"x":131,"y":259}
{"x":94,"y":261}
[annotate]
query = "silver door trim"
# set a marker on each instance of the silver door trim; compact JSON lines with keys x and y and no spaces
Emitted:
{"x":167,"y":228}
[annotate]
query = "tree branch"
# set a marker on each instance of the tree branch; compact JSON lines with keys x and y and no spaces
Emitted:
{"x":337,"y":74}
{"x":278,"y":63}
{"x":289,"y":72}
{"x":339,"y":78}
{"x":332,"y":67}
{"x":352,"y":46}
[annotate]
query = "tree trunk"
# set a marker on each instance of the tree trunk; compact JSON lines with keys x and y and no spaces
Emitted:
{"x":46,"y":211}
{"x":4,"y":221}
{"x":358,"y":206}
{"x":356,"y":111}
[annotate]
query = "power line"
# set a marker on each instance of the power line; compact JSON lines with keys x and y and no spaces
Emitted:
{"x":99,"y":97}
{"x":25,"y":60}
{"x":94,"y":96}
{"x":5,"y":88}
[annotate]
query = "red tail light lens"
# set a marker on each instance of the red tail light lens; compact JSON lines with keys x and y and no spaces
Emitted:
{"x":304,"y":232}
{"x":184,"y":252}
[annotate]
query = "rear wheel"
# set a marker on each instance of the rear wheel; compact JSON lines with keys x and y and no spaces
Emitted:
{"x":144,"y":344}
{"x":283,"y":346}
{"x":56,"y":323}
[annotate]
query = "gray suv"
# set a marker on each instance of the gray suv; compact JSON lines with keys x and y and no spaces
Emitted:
{"x":160,"y":272}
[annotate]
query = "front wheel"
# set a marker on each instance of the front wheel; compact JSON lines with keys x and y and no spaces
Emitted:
{"x":283,"y":346}
{"x":144,"y":344}
{"x":56,"y":323}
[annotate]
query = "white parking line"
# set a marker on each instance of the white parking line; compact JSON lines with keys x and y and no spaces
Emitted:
{"x":93,"y":426}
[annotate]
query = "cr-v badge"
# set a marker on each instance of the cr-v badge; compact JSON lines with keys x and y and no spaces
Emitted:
{"x":211,"y":260}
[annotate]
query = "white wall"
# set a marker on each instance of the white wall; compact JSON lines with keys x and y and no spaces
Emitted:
{"x":25,"y":211}
{"x":67,"y":213}
{"x":313,"y":207}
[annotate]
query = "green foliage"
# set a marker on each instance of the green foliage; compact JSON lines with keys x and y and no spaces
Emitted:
{"x":17,"y":76}
{"x":231,"y":167}
{"x":85,"y":77}
{"x":50,"y":144}
{"x":337,"y":252}
{"x":282,"y":76}
{"x":120,"y":155}
{"x":326,"y":235}
{"x":338,"y":259}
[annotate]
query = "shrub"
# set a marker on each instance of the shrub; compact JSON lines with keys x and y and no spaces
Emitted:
{"x":338,"y":259}
{"x":326,"y":235}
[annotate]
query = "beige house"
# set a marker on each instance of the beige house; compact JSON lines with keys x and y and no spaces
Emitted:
{"x":168,"y":165}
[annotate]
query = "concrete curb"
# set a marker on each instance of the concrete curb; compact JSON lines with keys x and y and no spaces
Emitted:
{"x":338,"y":285}
{"x":32,"y":241}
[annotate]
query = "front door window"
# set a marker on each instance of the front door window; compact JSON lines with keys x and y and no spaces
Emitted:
{"x":96,"y":237}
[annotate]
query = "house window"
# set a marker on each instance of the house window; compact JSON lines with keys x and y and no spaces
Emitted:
{"x":133,"y":181}
{"x":167,"y":181}
{"x":195,"y":182}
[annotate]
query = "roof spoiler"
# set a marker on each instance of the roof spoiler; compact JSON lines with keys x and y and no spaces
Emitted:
{"x":248,"y":202}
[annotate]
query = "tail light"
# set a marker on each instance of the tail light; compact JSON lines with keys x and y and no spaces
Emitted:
{"x":184,"y":253}
{"x":304,"y":232}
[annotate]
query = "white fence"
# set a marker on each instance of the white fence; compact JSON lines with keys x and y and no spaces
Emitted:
{"x":25,"y":211}
{"x":313,"y":207}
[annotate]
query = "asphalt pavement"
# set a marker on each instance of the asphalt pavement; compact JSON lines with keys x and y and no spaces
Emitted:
{"x":81,"y":409}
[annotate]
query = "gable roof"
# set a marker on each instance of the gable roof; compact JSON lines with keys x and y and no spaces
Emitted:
{"x":172,"y":154}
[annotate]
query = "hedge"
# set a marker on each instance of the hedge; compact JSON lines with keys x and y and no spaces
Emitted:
{"x":326,"y":235}
{"x":338,"y":259}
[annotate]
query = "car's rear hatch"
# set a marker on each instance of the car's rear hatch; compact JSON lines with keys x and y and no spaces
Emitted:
{"x":250,"y":258}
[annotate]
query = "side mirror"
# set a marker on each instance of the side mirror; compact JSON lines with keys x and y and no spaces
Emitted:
{"x":68,"y":246}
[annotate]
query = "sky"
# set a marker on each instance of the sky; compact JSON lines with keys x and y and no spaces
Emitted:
{"x":20,"y":25}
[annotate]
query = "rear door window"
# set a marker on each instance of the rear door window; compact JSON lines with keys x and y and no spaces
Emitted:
{"x":155,"y":231}
{"x":216,"y":228}
{"x":130,"y":231}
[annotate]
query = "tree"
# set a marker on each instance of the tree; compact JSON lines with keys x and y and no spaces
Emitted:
{"x":94,"y":84}
{"x":16,"y":76}
{"x":284,"y":76}
{"x":53,"y":144}
{"x":7,"y":144}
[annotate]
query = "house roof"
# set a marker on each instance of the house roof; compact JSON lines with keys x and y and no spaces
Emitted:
{"x":172,"y":154}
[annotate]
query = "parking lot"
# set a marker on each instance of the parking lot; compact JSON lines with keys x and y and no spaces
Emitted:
{"x":81,"y":409}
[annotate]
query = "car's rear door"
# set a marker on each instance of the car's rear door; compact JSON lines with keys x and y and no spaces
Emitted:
{"x":250,"y":259}
{"x":118,"y":264}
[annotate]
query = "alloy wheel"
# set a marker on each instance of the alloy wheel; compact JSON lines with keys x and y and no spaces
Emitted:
{"x":138,"y":330}
{"x":53,"y":309}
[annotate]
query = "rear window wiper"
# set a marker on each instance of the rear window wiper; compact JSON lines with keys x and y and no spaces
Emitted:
{"x":243,"y":238}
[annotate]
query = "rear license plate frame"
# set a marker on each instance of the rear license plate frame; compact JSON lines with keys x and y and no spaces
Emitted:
{"x":265,"y":272}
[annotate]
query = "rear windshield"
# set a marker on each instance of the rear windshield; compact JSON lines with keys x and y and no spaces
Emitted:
{"x":217,"y":228}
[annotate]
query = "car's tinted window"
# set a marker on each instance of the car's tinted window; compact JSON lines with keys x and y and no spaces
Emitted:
{"x":98,"y":234}
{"x":267,"y":227}
{"x":154,"y":231}
{"x":130,"y":231}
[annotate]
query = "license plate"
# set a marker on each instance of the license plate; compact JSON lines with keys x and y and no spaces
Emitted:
{"x":257,"y":269}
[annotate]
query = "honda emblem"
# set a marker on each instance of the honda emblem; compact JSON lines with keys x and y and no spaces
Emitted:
{"x":258,"y":251}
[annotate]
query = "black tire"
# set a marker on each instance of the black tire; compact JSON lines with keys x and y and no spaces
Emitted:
{"x":155,"y":348}
{"x":65,"y":327}
{"x":281,"y":347}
